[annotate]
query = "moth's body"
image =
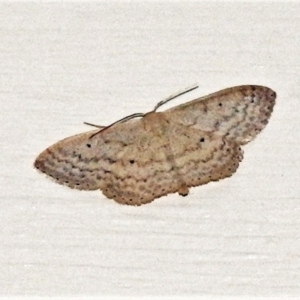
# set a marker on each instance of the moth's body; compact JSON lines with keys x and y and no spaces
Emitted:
{"x":164,"y":152}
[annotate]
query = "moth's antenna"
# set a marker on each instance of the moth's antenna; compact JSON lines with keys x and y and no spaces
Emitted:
{"x":136,"y":115}
{"x":93,"y":125}
{"x":140,"y":115}
{"x":173,"y":96}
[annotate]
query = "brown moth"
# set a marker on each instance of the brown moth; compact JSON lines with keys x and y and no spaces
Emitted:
{"x":137,"y":161}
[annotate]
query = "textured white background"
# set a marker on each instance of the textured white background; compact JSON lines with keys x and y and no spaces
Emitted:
{"x":65,"y":63}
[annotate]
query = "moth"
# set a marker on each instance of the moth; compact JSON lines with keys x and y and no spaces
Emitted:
{"x":135,"y":161}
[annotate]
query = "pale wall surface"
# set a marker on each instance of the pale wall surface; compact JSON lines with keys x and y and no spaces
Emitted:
{"x":62,"y":64}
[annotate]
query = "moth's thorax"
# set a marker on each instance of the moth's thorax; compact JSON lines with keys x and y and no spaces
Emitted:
{"x":154,"y":121}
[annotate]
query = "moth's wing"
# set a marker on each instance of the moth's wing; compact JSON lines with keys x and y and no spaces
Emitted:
{"x":128,"y":163}
{"x":83,"y":160}
{"x":159,"y":165}
{"x":201,"y":157}
{"x":134,"y":166}
{"x":238,"y":113}
{"x":125,"y":161}
{"x":141,"y":172}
